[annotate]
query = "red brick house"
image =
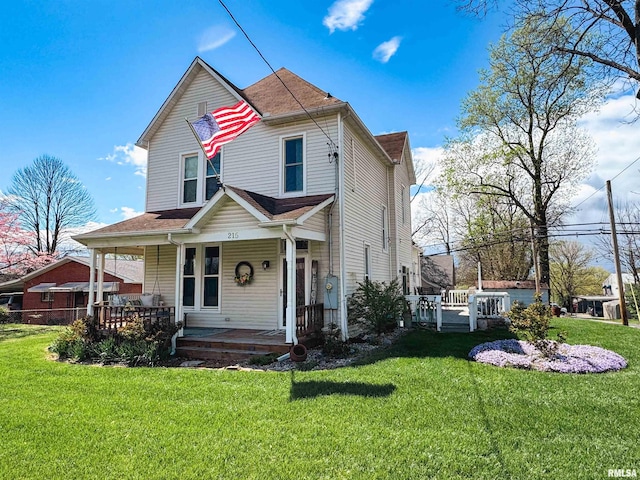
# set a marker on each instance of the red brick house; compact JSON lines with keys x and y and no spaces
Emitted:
{"x":64,"y":285}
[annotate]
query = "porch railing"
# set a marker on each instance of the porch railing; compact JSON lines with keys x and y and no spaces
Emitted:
{"x":426,"y":309}
{"x":456,"y":298}
{"x":309,"y":318}
{"x":487,"y":305}
{"x":112,"y":318}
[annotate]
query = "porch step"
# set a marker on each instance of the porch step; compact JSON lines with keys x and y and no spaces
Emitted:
{"x":455,"y":328}
{"x":233,"y":345}
{"x":246,"y":345}
{"x":209,"y":353}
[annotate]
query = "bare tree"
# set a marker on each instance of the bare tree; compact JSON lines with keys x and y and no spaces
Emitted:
{"x":607,"y":31}
{"x":49,"y":198}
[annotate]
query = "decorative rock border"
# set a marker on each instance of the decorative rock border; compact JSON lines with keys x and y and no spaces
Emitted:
{"x":567,"y":359}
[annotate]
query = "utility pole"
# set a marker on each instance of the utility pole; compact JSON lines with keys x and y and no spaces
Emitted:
{"x":616,"y":257}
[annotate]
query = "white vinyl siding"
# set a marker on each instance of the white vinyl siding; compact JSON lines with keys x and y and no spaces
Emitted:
{"x":251,"y":306}
{"x":363,"y":211}
{"x":160,"y":272}
{"x":174,"y":137}
{"x":252,"y":161}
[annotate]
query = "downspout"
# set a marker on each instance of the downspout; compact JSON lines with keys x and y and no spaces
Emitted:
{"x":343,"y":296}
{"x":178,"y":289}
{"x":291,"y":291}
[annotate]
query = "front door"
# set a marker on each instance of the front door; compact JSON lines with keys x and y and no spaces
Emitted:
{"x":300,"y":286}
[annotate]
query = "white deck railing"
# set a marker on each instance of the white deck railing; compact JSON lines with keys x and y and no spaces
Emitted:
{"x":456,"y":298}
{"x":487,"y":305}
{"x":426,"y":309}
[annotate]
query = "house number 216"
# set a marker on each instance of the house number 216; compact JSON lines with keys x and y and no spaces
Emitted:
{"x":233,"y":236}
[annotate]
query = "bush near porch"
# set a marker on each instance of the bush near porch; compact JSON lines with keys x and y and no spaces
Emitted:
{"x":417,"y":410}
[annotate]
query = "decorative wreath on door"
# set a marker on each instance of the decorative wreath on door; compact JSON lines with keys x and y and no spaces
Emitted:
{"x":244,"y":273}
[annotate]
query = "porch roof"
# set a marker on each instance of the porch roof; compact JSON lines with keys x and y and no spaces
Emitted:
{"x":279,"y":209}
{"x":150,"y":222}
{"x":266,"y":209}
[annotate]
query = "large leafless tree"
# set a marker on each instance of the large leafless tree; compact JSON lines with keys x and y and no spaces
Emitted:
{"x":607,"y":31}
{"x":49,"y":199}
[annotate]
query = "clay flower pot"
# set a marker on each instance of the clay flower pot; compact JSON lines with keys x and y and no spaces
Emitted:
{"x":298,"y":353}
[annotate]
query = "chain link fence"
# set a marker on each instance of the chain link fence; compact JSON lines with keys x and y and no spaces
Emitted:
{"x":54,"y":316}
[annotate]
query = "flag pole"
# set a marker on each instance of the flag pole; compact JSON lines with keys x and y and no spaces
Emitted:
{"x":202,"y":147}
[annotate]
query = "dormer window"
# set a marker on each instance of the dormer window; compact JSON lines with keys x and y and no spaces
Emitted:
{"x":293,"y":164}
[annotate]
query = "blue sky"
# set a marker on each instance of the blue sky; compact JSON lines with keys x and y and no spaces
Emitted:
{"x":81,"y":80}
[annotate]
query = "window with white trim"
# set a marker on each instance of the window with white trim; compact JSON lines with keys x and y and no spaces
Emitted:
{"x":367,"y":262}
{"x":211,"y":277}
{"x":212,"y":176}
{"x":385,"y":229}
{"x":190,"y":178}
{"x":189,"y":278}
{"x":200,"y":177}
{"x":293,"y":164}
{"x":46,"y":296}
{"x":403,"y":203}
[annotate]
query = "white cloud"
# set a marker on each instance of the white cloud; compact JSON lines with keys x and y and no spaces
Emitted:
{"x":128,"y":212}
{"x":214,"y":37}
{"x":346,"y":14}
{"x":386,"y":50}
{"x":129,"y":154}
{"x":70,"y":246}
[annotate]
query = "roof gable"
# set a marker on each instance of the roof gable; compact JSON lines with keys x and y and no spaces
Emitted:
{"x":397,"y":147}
{"x":178,"y":91}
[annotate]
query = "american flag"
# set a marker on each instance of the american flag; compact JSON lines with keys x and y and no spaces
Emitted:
{"x":223,"y":125}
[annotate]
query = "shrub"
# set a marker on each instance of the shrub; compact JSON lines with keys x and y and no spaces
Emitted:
{"x":376,"y":305}
{"x":332,"y":344}
{"x":534,"y":322}
{"x":4,"y":315}
{"x":135,"y":343}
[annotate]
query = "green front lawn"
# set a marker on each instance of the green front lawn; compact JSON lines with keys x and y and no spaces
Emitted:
{"x":420,"y":410}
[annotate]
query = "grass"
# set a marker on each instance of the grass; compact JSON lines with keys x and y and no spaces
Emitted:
{"x":418,"y":410}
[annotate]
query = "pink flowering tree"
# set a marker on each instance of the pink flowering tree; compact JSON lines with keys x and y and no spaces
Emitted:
{"x":17,"y":255}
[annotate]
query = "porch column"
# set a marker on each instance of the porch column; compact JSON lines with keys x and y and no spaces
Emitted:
{"x":92,"y":281}
{"x":178,"y":286}
{"x":291,"y":288}
{"x":100,"y":294}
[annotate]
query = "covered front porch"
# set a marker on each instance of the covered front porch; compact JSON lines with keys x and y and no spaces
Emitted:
{"x":235,"y":264}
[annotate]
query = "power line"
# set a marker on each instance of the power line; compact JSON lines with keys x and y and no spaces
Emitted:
{"x":333,"y":144}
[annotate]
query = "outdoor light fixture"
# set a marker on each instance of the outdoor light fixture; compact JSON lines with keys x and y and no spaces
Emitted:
{"x":265,"y":264}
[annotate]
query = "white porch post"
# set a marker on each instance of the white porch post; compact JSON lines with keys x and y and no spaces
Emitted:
{"x":92,"y":281}
{"x":291,"y":288}
{"x":100,"y":295}
{"x":178,"y":289}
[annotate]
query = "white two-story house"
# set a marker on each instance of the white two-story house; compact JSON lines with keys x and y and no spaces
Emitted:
{"x":307,"y":203}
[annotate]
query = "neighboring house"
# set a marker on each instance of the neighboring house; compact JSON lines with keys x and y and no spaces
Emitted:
{"x":610,"y":285}
{"x":522,"y":291}
{"x":438,"y":273}
{"x":300,"y":203}
{"x":64,"y":284}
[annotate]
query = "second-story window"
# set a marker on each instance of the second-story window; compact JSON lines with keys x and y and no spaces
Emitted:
{"x":293,"y":164}
{"x":212,"y":176}
{"x":385,"y":229}
{"x":200,"y":177}
{"x":190,"y":179}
